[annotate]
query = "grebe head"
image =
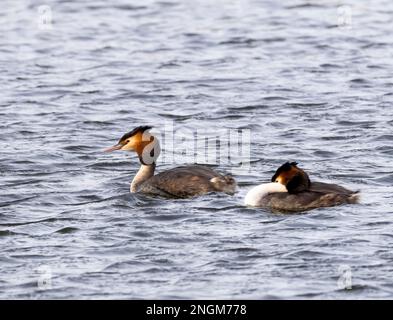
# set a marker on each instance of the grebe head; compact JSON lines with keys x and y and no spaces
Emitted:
{"x":142,"y":142}
{"x":293,"y":178}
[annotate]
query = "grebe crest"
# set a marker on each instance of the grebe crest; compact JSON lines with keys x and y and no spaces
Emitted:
{"x":292,"y":177}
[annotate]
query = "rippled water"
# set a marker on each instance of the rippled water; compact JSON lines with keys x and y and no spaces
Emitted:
{"x":312,"y":86}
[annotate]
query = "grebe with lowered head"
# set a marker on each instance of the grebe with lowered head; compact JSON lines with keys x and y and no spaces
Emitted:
{"x":181,"y":182}
{"x":291,"y":190}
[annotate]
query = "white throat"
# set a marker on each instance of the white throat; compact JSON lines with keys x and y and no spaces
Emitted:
{"x":256,"y":194}
{"x":144,"y":173}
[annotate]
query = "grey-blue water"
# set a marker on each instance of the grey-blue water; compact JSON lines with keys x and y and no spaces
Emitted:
{"x":311,"y":80}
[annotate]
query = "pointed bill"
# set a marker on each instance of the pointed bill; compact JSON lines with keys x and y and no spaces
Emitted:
{"x":113,"y":148}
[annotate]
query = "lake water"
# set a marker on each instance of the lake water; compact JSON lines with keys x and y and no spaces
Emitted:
{"x":311,"y":81}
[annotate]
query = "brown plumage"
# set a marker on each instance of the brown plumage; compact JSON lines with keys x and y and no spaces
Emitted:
{"x":180,"y":182}
{"x":304,"y":194}
{"x":188,"y":181}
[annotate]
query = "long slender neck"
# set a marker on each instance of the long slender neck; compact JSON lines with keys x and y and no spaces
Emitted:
{"x":255,"y":196}
{"x":144,"y":173}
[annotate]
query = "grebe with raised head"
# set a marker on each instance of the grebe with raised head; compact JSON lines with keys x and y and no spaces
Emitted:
{"x":291,"y":190}
{"x":181,"y":182}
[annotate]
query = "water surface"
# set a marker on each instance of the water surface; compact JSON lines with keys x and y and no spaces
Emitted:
{"x":310,"y":87}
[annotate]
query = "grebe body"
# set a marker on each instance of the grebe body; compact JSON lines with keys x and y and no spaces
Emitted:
{"x":292,"y":190}
{"x":180,"y":182}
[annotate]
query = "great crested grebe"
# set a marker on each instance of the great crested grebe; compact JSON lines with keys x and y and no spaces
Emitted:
{"x":181,"y":182}
{"x":292,"y":190}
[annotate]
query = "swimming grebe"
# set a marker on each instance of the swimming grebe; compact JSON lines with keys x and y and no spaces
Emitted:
{"x":181,"y":182}
{"x":292,"y":190}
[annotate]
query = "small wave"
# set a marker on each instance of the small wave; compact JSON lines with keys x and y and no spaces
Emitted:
{"x":66,"y":230}
{"x":166,"y":217}
{"x":4,"y":233}
{"x":388,"y":178}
